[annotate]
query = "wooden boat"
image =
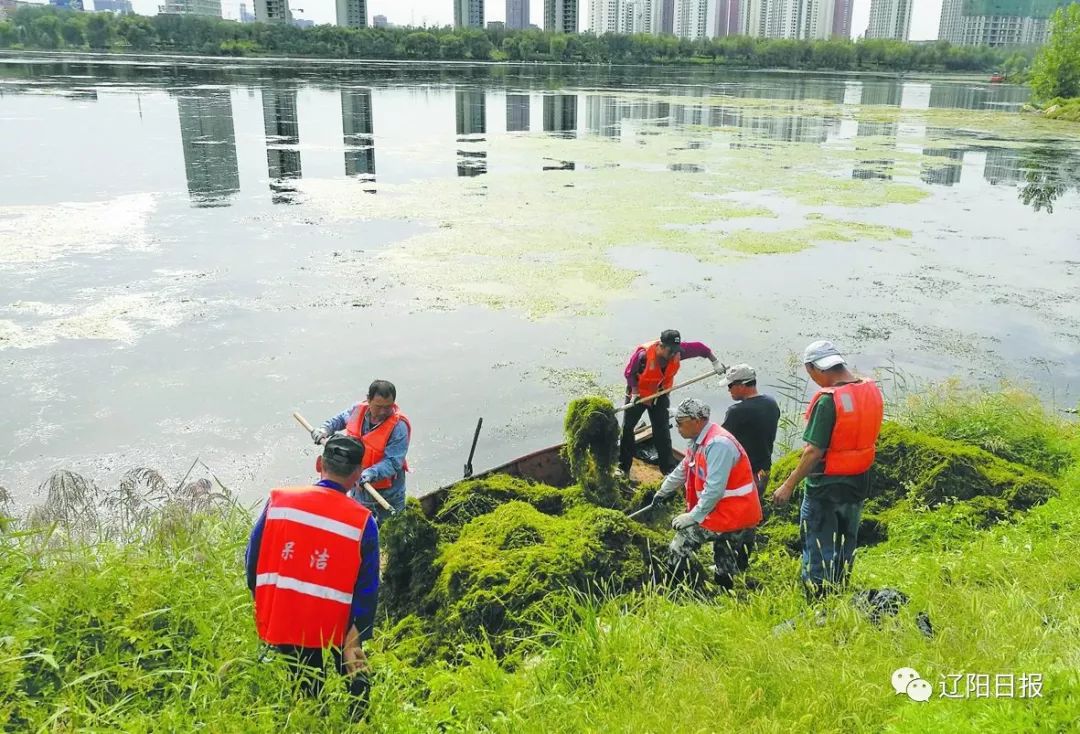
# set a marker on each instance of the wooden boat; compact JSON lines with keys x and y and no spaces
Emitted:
{"x":549,"y":467}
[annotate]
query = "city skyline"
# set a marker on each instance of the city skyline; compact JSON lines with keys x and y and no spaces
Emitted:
{"x":924,"y":20}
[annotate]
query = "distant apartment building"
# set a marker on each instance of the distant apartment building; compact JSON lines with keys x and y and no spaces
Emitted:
{"x":795,"y":19}
{"x":352,"y":13}
{"x":192,"y":7}
{"x":273,"y":11}
{"x":622,"y":16}
{"x":561,"y":16}
{"x":246,"y":16}
{"x":468,"y":13}
{"x":890,"y":19}
{"x":691,"y":18}
{"x":67,"y":4}
{"x":842,"y":9}
{"x":517,"y":15}
{"x":950,"y":26}
{"x":379,"y":21}
{"x":728,"y":13}
{"x":120,"y":7}
{"x":997,"y":22}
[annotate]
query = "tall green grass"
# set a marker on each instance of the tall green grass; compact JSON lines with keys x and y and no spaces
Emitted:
{"x":156,"y":634}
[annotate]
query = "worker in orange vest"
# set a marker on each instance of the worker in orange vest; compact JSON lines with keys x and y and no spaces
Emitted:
{"x":722,"y":503}
{"x":652,"y":368}
{"x":843,"y":422}
{"x":313,"y":568}
{"x":385,"y":433}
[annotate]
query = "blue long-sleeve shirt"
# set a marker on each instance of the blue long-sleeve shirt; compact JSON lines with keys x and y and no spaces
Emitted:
{"x":365,"y":592}
{"x":393,"y":463}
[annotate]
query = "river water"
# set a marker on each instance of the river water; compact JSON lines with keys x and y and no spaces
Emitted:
{"x":190,"y":250}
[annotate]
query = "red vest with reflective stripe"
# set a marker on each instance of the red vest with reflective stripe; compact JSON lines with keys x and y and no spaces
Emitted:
{"x":375,"y":440}
{"x":309,"y":558}
{"x":653,"y":379}
{"x":859,"y":412}
{"x":739,"y":507}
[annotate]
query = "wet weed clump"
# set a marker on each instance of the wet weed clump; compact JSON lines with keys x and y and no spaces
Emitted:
{"x":592,"y":448}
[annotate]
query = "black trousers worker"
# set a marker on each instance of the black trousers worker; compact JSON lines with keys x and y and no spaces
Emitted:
{"x":659,"y":417}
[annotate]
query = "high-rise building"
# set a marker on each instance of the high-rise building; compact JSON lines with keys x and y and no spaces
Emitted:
{"x":517,"y":15}
{"x":209,"y":142}
{"x":379,"y":21}
{"x":120,"y":7}
{"x":997,"y":22}
{"x":727,"y":18}
{"x":352,"y":13}
{"x":797,"y":19}
{"x":665,"y":16}
{"x":561,"y":16}
{"x":67,"y":4}
{"x":468,"y":13}
{"x":517,"y":113}
{"x":245,"y":15}
{"x":951,"y":27}
{"x":192,"y":7}
{"x":358,"y":133}
{"x":273,"y":11}
{"x":889,"y":19}
{"x":603,"y":16}
{"x":621,"y":16}
{"x":842,"y":9}
{"x":691,"y":18}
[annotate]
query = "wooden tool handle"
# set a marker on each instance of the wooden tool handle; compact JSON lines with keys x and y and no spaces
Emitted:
{"x":673,"y":388}
{"x":370,"y":490}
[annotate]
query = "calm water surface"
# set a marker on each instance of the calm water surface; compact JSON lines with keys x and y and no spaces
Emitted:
{"x":191,"y":250}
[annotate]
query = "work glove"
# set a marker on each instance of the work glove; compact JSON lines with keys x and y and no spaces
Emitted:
{"x":319,"y":435}
{"x":718,"y":367}
{"x":683,"y":521}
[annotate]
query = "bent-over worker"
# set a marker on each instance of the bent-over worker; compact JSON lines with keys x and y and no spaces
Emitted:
{"x":722,"y":505}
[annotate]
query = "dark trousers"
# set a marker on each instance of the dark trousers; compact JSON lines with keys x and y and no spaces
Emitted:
{"x":658,"y":416}
{"x":308,"y":668}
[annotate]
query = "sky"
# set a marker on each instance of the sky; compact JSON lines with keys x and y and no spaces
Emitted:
{"x":924,"y":20}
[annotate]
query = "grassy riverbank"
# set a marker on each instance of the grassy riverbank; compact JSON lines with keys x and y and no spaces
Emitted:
{"x":156,"y":634}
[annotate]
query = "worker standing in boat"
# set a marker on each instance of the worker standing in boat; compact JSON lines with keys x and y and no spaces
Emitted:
{"x":313,"y":567}
{"x":843,"y":423}
{"x":385,"y":433}
{"x":651,"y":369}
{"x":722,"y":505}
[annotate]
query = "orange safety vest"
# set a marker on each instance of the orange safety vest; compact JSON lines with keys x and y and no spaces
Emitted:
{"x":653,"y":379}
{"x":309,"y":559}
{"x":375,"y":440}
{"x":859,"y":412}
{"x":739,"y":507}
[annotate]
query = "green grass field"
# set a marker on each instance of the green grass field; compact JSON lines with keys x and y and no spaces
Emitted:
{"x":154,"y":632}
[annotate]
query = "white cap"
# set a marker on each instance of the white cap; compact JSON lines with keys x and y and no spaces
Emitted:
{"x":823,"y":355}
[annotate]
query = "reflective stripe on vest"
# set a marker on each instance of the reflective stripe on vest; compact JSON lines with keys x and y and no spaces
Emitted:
{"x":309,"y":560}
{"x":860,"y":410}
{"x":653,"y":379}
{"x":739,"y":507}
{"x":376,"y":439}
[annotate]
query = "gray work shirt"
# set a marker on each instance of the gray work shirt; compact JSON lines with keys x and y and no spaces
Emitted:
{"x":720,"y":456}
